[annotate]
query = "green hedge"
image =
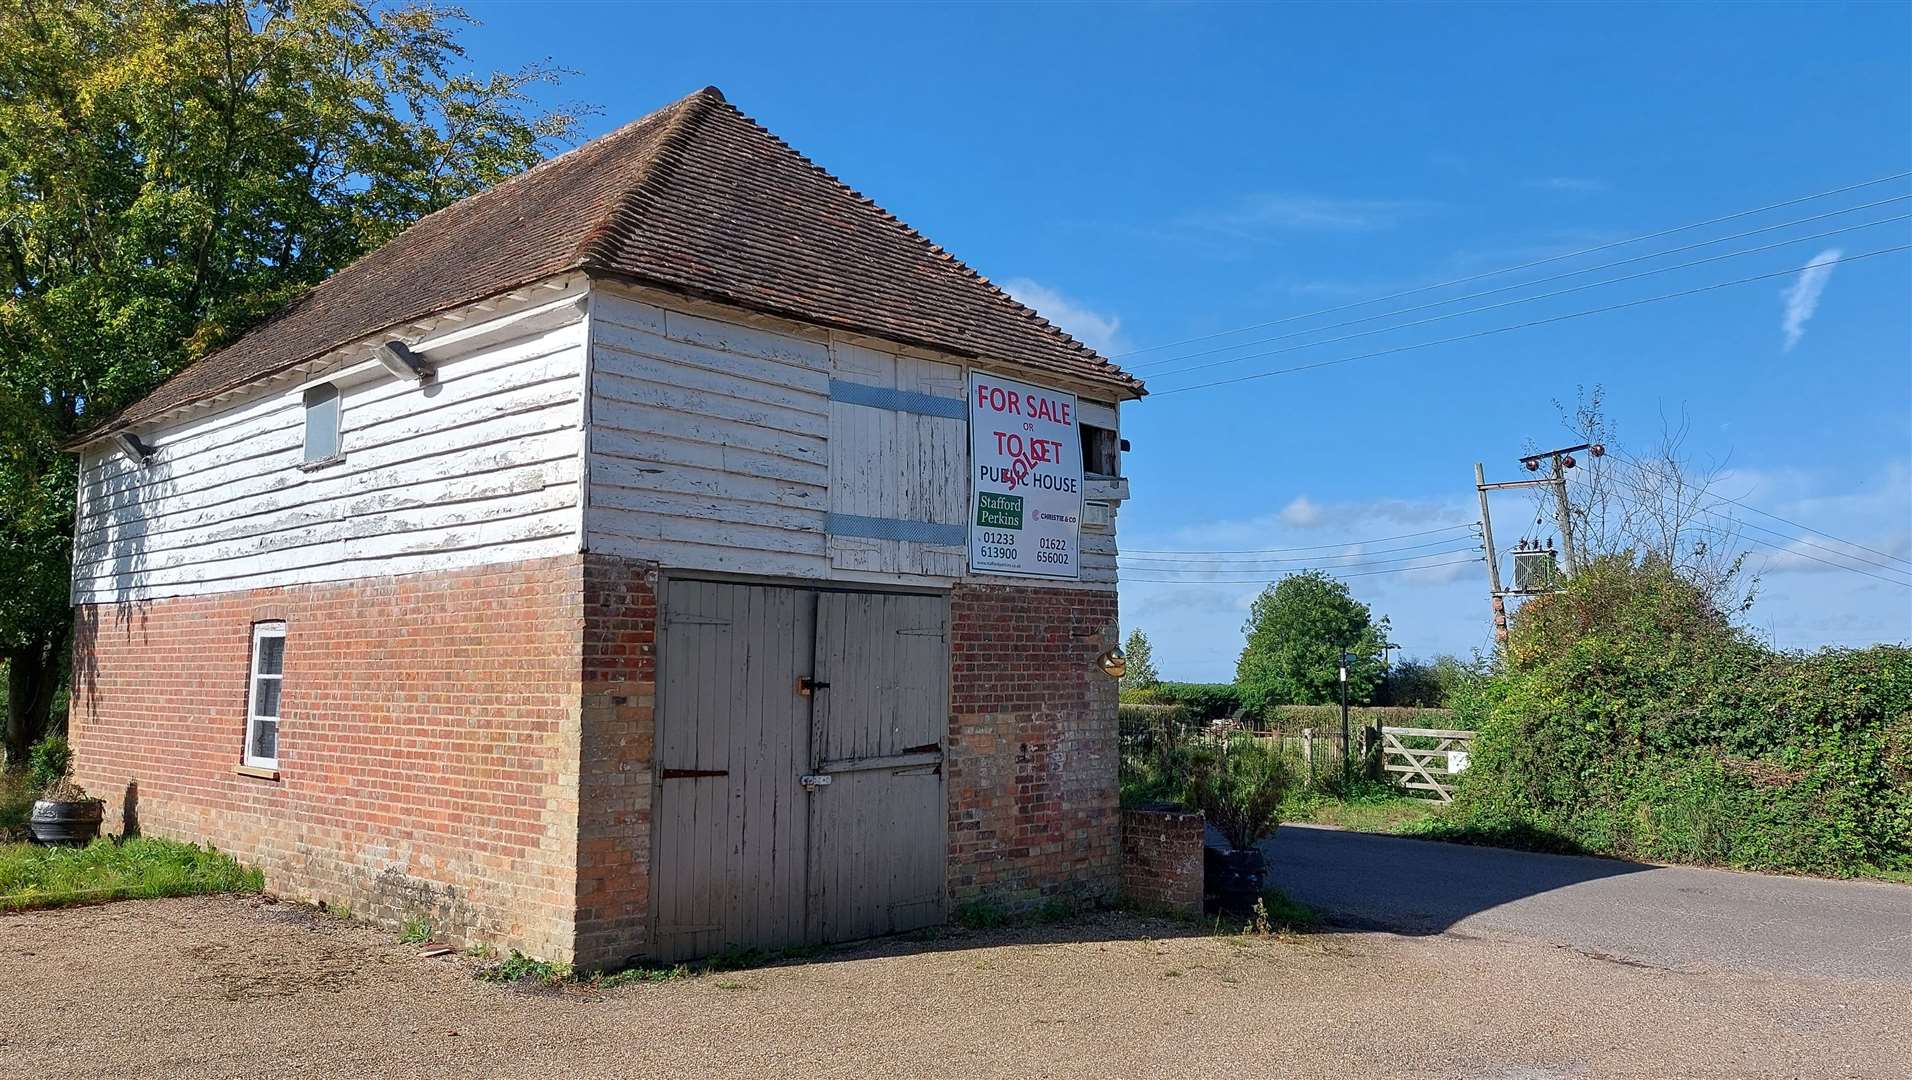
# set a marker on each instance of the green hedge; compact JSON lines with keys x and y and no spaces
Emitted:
{"x":1322,"y":717}
{"x":1205,"y":701}
{"x":1633,"y":719}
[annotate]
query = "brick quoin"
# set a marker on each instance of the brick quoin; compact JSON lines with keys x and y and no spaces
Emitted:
{"x":1033,"y":807}
{"x":617,"y":761}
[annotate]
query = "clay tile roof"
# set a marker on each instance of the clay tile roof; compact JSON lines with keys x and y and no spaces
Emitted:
{"x":696,"y":198}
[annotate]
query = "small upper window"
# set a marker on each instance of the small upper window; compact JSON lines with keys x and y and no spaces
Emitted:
{"x":1101,"y":451}
{"x":262,"y":695}
{"x":321,"y":423}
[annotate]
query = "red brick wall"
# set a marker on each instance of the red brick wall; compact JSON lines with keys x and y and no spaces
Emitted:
{"x":476,"y":746}
{"x":428,"y":749}
{"x":1032,"y":745}
{"x":1162,"y":860}
{"x":615,"y":785}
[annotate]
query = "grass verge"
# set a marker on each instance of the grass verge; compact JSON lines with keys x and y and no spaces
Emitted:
{"x":140,"y":868}
{"x":1371,"y":813}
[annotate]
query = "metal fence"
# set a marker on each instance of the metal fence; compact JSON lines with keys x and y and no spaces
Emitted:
{"x":1414,"y":758}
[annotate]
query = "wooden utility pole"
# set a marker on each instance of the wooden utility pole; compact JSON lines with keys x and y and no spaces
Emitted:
{"x":1563,"y":512}
{"x":1493,"y":559}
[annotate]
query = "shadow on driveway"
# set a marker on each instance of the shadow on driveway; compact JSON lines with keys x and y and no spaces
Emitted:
{"x":1372,"y":882}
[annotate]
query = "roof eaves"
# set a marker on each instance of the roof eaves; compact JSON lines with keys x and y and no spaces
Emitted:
{"x":115,"y":424}
{"x":1128,"y":389}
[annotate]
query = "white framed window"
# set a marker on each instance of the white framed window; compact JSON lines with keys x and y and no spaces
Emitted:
{"x":322,"y":424}
{"x":262,"y":695}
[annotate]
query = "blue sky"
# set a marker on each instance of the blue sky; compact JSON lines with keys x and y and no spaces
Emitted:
{"x":1146,"y":174}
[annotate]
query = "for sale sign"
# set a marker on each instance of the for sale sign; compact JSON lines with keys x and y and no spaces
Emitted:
{"x":1027,"y":481}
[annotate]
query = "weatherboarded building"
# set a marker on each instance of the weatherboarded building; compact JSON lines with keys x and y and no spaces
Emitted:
{"x":664,"y":551}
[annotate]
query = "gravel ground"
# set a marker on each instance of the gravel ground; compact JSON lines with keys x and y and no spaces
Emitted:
{"x":220,"y":987}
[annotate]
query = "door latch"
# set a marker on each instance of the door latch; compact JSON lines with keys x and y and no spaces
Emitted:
{"x":807,"y":686}
{"x":813,"y":781}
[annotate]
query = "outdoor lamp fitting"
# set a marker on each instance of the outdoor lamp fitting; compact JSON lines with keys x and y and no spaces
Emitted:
{"x":1113,"y":663}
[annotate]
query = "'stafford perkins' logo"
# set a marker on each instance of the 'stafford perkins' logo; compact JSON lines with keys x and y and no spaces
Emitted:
{"x":995,"y":511}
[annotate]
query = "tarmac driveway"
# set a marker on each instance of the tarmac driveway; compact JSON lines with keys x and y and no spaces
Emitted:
{"x":1678,"y":918}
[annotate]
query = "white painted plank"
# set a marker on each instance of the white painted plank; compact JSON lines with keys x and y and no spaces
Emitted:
{"x":615,"y":388}
{"x":479,"y":465}
{"x":748,"y":340}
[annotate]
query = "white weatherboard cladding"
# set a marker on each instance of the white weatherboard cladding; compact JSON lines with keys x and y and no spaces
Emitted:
{"x":709,"y":442}
{"x":717,"y":445}
{"x":478,"y":466}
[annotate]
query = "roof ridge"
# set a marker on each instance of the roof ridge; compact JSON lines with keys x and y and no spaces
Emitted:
{"x":596,"y":144}
{"x":595,"y":247}
{"x":332,"y":282}
{"x":933,"y":248}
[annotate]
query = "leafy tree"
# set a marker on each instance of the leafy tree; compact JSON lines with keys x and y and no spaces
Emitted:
{"x":1412,"y":683}
{"x":1140,"y":674}
{"x":1296,"y":632}
{"x":176,"y":170}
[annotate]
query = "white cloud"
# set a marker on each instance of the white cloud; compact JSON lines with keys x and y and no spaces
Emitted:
{"x":1581,"y":184}
{"x":1097,"y":330}
{"x":1802,"y":296}
{"x":1307,"y":213}
{"x":1194,"y":622}
{"x":1302,"y":513}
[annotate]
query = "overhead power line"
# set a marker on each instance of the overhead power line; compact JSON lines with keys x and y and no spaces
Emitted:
{"x":1225,"y":558}
{"x":1820,"y":547}
{"x":1790,"y":538}
{"x":1307,"y":547}
{"x":1523,"y":266}
{"x":1244,"y":567}
{"x":1474,"y":335}
{"x":1827,"y":562}
{"x":1264,"y":577}
{"x":1527,"y":299}
{"x":1636,"y":463}
{"x":1556,"y":277}
{"x":1785,"y":550}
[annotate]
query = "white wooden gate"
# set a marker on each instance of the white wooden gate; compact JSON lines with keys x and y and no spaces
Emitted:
{"x":1425,"y":768}
{"x":800,"y":793}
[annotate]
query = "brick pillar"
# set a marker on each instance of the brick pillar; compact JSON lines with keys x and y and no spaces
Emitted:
{"x":1032,"y":745}
{"x":1162,"y":859}
{"x":616,"y":756}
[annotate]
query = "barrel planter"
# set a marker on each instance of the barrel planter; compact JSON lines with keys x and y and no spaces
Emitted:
{"x":66,"y":822}
{"x":1236,"y":878}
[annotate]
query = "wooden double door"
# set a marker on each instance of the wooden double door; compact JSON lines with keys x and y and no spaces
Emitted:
{"x":800,"y":792}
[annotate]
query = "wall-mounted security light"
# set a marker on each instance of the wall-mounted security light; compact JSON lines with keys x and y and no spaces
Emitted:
{"x":1113,"y":663}
{"x":401,"y":361}
{"x":130,"y":445}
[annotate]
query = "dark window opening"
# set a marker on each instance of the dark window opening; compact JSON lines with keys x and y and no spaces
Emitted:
{"x":1101,"y":451}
